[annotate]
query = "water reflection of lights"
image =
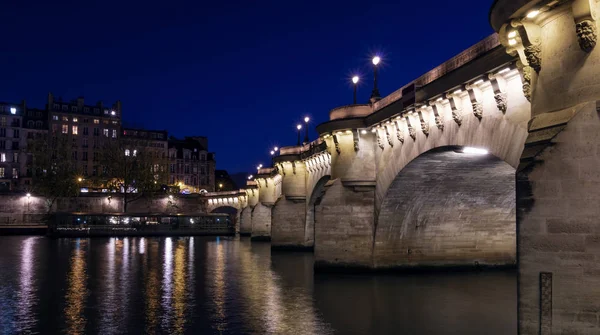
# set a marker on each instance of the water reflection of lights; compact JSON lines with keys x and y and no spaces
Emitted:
{"x":26,"y":297}
{"x":179,"y":289}
{"x":108,"y":301}
{"x":152,"y":291}
{"x":217,"y":287}
{"x":167,"y":284}
{"x":76,"y":291}
{"x":142,"y":246}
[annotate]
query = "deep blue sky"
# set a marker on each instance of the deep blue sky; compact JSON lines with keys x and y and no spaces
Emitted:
{"x":242,"y":73}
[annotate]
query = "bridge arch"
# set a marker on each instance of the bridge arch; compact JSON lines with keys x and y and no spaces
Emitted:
{"x":448,"y":207}
{"x":234,"y":214}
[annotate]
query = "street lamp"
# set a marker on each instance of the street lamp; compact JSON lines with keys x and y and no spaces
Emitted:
{"x":272,"y":152}
{"x":220,"y":186}
{"x":275,"y":149}
{"x":355,"y":82}
{"x":306,"y":119}
{"x":299,"y":127}
{"x":375,"y":94}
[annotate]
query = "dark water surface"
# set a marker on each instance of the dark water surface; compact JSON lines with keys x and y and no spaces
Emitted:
{"x":196,"y":285}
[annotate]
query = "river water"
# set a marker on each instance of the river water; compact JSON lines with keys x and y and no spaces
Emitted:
{"x":197,"y":285}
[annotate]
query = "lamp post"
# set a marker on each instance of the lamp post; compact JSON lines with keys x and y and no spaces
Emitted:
{"x":375,"y":94}
{"x":355,"y":82}
{"x":299,"y":127}
{"x":306,"y":120}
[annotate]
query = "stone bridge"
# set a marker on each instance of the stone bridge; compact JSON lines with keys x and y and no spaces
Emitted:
{"x":490,"y":159}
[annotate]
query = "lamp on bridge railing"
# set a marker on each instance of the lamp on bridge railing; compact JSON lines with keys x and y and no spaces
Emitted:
{"x":375,"y":94}
{"x":306,"y":119}
{"x":355,"y":82}
{"x":250,"y":177}
{"x":299,"y":127}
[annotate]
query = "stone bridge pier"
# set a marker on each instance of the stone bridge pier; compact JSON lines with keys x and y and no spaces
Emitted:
{"x":558,"y":179}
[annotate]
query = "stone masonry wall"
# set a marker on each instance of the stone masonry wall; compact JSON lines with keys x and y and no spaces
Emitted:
{"x":559,"y":232}
{"x":344,"y":227}
{"x":246,"y":221}
{"x":261,"y":222}
{"x":288,"y":224}
{"x":448,"y":209}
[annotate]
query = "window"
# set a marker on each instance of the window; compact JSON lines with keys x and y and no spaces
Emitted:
{"x":106,"y":111}
{"x":73,"y":109}
{"x":96,"y":131}
{"x":1,"y":172}
{"x":56,"y":106}
{"x":105,"y":132}
{"x":187,"y":169}
{"x":65,"y":107}
{"x":15,"y":145}
{"x":2,"y":144}
{"x":94,"y":170}
{"x":38,"y":124}
{"x":2,"y":157}
{"x":203,"y":157}
{"x":3,"y":121}
{"x":126,"y":152}
{"x":85,"y":120}
{"x":134,"y":153}
{"x":202,"y":170}
{"x":115,"y":122}
{"x":95,"y":156}
{"x":84,"y":156}
{"x":186,"y":180}
{"x":65,"y":118}
{"x":85,"y":131}
{"x":105,"y":121}
{"x":172,"y":168}
{"x":65,"y":129}
{"x":96,"y":121}
{"x":86,"y":109}
{"x":75,"y":130}
{"x":15,"y":157}
{"x":29,"y":135}
{"x":16,"y":123}
{"x":85,"y":142}
{"x":15,"y":174}
{"x":55,"y":117}
{"x":29,"y":124}
{"x":85,"y":170}
{"x":16,"y":133}
{"x":54,"y":128}
{"x":96,"y":110}
{"x":13,"y":110}
{"x":74,"y":155}
{"x":75,"y":119}
{"x":114,"y":133}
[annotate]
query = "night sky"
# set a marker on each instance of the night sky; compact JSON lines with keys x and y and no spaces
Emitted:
{"x":242,"y":73}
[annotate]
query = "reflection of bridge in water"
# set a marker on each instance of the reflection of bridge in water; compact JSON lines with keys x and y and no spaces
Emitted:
{"x":400,"y":183}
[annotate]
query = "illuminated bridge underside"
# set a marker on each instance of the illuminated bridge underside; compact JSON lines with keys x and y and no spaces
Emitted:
{"x":448,"y":208}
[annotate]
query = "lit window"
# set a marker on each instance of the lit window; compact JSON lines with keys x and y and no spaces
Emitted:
{"x":2,"y":157}
{"x":74,"y":119}
{"x":106,"y":111}
{"x":15,"y":173}
{"x":96,"y":121}
{"x":114,"y":134}
{"x":1,"y":172}
{"x":15,"y":157}
{"x":55,"y":117}
{"x":113,"y":113}
{"x":105,"y":131}
{"x":134,"y":153}
{"x":13,"y":110}
{"x":126,"y":152}
{"x":65,"y":129}
{"x":74,"y":130}
{"x":3,"y":121}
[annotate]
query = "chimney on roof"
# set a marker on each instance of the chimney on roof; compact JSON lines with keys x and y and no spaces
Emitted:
{"x":101,"y":105}
{"x":24,"y":103}
{"x":80,"y":103}
{"x":118,"y":107}
{"x":50,"y":100}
